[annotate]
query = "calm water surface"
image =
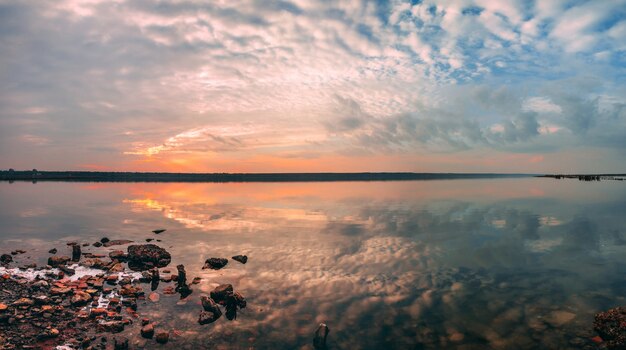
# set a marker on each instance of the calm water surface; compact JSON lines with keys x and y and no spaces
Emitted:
{"x":474,"y":264}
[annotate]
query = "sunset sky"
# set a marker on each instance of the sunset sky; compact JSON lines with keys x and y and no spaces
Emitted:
{"x":275,"y":86}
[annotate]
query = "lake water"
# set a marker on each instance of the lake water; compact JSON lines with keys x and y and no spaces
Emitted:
{"x":474,"y":264}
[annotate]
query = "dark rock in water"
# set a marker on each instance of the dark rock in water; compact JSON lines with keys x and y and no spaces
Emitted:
{"x":233,"y":302}
{"x":147,"y":256}
{"x":215,"y":263}
{"x":56,"y":261}
{"x":111,"y":326}
{"x":155,"y":279}
{"x":221,"y":292}
{"x":161,"y":230}
{"x":104,"y":240}
{"x":611,"y":325}
{"x":182,"y":287}
{"x":241,"y":258}
{"x":210,"y":306}
{"x":319,"y":342}
{"x":52,"y":251}
{"x":6,"y":258}
{"x":97,"y":244}
{"x":67,"y":270}
{"x":149,"y":239}
{"x":162,"y":337}
{"x":147,"y":331}
{"x":120,"y":343}
{"x":116,"y":242}
{"x":206,"y":317}
{"x":76,"y":252}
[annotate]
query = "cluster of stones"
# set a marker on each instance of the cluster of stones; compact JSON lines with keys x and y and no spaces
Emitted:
{"x":611,"y":325}
{"x":58,"y":310}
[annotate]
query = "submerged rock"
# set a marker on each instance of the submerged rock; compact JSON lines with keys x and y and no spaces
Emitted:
{"x":162,"y":337}
{"x":147,"y":331}
{"x":215,"y":263}
{"x":115,"y":242}
{"x":147,"y":256}
{"x":206,"y":317}
{"x":611,"y":325}
{"x":241,"y":258}
{"x":319,"y":341}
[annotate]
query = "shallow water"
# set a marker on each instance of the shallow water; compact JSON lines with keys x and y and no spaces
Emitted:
{"x":494,"y":263}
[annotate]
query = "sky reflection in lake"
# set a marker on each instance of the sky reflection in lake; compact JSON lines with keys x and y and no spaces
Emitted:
{"x":498,"y":263}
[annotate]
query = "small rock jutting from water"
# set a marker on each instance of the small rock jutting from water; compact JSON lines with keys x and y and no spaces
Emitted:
{"x":241,"y":258}
{"x":182,"y":287}
{"x":162,"y":337}
{"x":115,"y":242}
{"x":52,"y":251}
{"x":76,"y":253}
{"x":215,"y":263}
{"x":611,"y":325}
{"x":147,"y":331}
{"x":147,"y":256}
{"x":319,"y":341}
{"x":56,"y":261}
{"x":6,"y":258}
{"x":161,"y":230}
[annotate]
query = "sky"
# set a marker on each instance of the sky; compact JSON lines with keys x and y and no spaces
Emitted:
{"x":289,"y":86}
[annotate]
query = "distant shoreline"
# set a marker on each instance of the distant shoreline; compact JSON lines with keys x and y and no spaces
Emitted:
{"x":97,"y":176}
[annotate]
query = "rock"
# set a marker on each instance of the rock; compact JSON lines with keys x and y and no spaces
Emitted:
{"x":76,"y":253}
{"x":3,"y":307}
{"x":52,"y":251}
{"x":24,"y":302}
{"x":559,"y":318}
{"x":162,"y":337}
{"x":111,"y":326}
{"x":210,"y":306}
{"x":6,"y":258}
{"x":206,"y":317}
{"x":146,"y":256}
{"x":154,"y":297}
{"x":67,"y":270}
{"x":611,"y":325}
{"x":117,"y":254}
{"x":215,"y":263}
{"x":161,"y":230}
{"x":221,"y":292}
{"x":319,"y":341}
{"x":60,"y":290}
{"x":97,"y":244}
{"x":120,"y":343}
{"x":104,"y":240}
{"x":241,"y":258}
{"x":80,"y":298}
{"x":181,"y":280}
{"x":196,"y":280}
{"x":147,"y":331}
{"x":116,"y":242}
{"x":56,"y":261}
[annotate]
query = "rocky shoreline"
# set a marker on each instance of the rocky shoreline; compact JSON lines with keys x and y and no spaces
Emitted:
{"x":84,"y":301}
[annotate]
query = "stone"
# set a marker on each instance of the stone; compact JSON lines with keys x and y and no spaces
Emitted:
{"x":80,"y":298}
{"x":241,"y":258}
{"x":60,"y":290}
{"x":111,"y":326}
{"x":319,"y":341}
{"x":120,"y":343}
{"x":117,"y":254}
{"x":221,"y":292}
{"x":215,"y":263}
{"x":56,"y":261}
{"x":154,"y":297}
{"x":97,"y":244}
{"x":206,"y":317}
{"x":6,"y":258}
{"x":76,"y":253}
{"x":611,"y":326}
{"x":161,"y":230}
{"x":147,"y":331}
{"x":104,"y":240}
{"x":3,"y":307}
{"x":24,"y":302}
{"x":162,"y":337}
{"x":146,"y":256}
{"x":116,"y":242}
{"x":52,"y":251}
{"x":559,"y":318}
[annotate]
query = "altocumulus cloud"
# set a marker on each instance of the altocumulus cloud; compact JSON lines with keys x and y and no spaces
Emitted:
{"x":127,"y":79}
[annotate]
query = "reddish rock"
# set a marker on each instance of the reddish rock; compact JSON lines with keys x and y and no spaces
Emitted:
{"x":146,"y":256}
{"x":221,"y":292}
{"x":154,"y":297}
{"x":162,"y":337}
{"x":147,"y":331}
{"x":611,"y":325}
{"x":56,"y":261}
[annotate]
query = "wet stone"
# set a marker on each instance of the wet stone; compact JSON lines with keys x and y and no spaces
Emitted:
{"x":241,"y":258}
{"x":319,"y":341}
{"x":6,"y":258}
{"x":162,"y":337}
{"x":120,"y":343}
{"x":147,"y":331}
{"x":146,"y":256}
{"x":215,"y":263}
{"x":56,"y":261}
{"x":221,"y":292}
{"x":611,"y":325}
{"x":52,"y":251}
